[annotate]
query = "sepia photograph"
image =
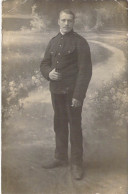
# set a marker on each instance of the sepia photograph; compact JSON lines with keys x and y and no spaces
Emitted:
{"x":64,"y":97}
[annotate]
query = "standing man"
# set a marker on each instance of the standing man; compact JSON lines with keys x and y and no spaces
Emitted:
{"x":67,"y":66}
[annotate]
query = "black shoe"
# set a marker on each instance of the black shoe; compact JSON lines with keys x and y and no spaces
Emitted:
{"x":54,"y":164}
{"x":77,"y":171}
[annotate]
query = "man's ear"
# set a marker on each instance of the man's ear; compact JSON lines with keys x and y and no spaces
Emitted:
{"x":59,"y":22}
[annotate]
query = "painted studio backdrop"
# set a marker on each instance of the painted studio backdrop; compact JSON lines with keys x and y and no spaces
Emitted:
{"x":27,"y":122}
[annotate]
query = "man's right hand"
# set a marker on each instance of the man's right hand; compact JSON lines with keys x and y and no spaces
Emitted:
{"x":53,"y":75}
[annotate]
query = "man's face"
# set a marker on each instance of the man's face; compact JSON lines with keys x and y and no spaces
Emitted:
{"x":66,"y":22}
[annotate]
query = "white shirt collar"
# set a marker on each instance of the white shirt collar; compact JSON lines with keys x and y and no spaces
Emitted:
{"x":62,"y":32}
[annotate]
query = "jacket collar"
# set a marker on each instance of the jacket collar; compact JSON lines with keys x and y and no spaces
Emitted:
{"x":67,"y":34}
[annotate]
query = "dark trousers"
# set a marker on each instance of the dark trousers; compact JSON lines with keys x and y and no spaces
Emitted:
{"x":64,"y":116}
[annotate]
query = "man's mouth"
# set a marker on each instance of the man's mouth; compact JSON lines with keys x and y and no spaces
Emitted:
{"x":66,"y":27}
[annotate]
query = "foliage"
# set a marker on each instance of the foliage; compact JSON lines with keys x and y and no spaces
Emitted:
{"x":37,"y":22}
{"x":14,"y":91}
{"x":108,"y":106}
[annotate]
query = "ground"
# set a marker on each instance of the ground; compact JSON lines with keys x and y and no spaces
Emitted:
{"x":28,"y":141}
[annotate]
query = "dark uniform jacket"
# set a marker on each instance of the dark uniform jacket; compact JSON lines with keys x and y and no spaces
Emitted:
{"x":70,"y":55}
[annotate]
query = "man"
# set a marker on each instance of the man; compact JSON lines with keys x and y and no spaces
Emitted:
{"x":67,"y":65}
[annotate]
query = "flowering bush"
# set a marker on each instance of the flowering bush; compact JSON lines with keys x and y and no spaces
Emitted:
{"x":109,"y":105}
{"x":14,"y":91}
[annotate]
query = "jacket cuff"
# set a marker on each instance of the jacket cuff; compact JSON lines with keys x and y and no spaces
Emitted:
{"x":79,"y":97}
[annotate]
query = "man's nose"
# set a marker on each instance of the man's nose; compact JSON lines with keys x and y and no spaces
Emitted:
{"x":66,"y":22}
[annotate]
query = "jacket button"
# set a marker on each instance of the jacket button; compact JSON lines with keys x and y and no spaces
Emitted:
{"x":69,"y":51}
{"x":57,"y":61}
{"x":60,"y":45}
{"x":58,"y":53}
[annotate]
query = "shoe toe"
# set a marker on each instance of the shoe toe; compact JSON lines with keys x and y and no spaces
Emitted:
{"x":77,"y":172}
{"x":54,"y":164}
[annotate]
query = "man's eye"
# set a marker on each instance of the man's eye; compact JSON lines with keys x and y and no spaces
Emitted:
{"x":66,"y":20}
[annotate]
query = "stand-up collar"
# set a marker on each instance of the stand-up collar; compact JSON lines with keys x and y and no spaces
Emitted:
{"x":66,"y":34}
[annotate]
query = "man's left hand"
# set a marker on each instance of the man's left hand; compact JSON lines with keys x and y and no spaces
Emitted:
{"x":76,"y":103}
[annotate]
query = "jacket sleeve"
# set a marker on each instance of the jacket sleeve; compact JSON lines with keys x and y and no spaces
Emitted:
{"x":45,"y":66}
{"x":84,"y":70}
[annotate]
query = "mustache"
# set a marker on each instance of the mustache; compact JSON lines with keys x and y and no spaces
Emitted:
{"x":66,"y":26}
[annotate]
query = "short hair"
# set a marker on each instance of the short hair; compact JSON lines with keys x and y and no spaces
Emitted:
{"x":68,"y":11}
